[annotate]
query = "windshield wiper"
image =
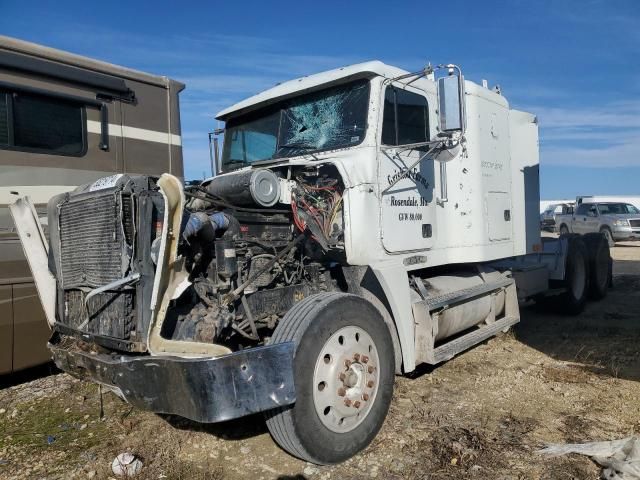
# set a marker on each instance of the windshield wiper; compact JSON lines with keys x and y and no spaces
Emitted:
{"x":302,"y":146}
{"x":235,"y":162}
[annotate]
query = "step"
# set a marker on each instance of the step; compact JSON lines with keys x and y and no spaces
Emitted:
{"x":453,"y":347}
{"x":460,"y":296}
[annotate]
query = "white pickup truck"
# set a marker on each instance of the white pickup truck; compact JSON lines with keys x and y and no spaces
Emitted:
{"x":617,"y":221}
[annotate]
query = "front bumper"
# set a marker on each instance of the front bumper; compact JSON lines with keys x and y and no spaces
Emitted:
{"x":620,"y":234}
{"x":203,"y":390}
{"x":548,"y":223}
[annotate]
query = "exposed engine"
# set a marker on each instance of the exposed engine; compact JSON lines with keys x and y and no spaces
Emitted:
{"x":255,"y":243}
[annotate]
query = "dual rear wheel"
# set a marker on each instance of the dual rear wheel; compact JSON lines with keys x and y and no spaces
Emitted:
{"x":587,"y":272}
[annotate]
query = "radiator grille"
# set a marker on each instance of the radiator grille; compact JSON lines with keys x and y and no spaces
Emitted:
{"x":634,"y":223}
{"x":110,"y":313}
{"x":92,"y":241}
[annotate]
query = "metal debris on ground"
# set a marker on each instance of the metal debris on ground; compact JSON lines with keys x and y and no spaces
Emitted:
{"x":620,"y":458}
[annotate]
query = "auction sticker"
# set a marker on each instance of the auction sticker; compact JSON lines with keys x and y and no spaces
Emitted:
{"x":105,"y":182}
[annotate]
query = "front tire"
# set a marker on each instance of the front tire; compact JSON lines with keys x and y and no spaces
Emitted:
{"x":343,"y":375}
{"x":608,"y":236}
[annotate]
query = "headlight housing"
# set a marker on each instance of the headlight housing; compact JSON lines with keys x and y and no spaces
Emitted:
{"x":621,"y":223}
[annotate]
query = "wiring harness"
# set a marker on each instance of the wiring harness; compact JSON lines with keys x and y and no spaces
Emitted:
{"x":316,"y":206}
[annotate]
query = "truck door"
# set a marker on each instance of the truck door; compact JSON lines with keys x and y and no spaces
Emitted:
{"x":592,"y":223}
{"x":405,"y":176}
{"x":580,"y":218}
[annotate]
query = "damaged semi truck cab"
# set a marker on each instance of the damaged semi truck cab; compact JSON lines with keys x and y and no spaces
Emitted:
{"x":363,"y":221}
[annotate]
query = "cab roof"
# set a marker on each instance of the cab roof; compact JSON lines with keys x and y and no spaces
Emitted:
{"x":311,"y":82}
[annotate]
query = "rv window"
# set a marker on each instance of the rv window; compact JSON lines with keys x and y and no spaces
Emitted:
{"x":4,"y":120}
{"x":405,"y":119}
{"x":41,"y":124}
{"x":47,"y":124}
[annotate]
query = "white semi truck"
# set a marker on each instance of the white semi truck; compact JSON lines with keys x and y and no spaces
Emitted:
{"x":363,"y":221}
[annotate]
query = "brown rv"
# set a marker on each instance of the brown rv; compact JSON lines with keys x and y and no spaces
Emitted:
{"x":67,"y":120}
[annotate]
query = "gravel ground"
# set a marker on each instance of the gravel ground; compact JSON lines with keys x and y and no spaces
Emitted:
{"x":481,"y":415}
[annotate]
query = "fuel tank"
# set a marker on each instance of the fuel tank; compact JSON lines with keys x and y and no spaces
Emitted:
{"x":461,"y":317}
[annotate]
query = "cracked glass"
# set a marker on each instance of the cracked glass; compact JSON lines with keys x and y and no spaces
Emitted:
{"x":328,"y":119}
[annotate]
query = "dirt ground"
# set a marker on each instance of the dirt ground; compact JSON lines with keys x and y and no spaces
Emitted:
{"x":481,"y":415}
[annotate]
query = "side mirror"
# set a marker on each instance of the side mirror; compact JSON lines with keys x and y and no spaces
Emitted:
{"x":214,"y":151}
{"x":451,"y":103}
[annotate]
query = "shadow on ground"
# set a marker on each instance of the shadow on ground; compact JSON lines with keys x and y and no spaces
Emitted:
{"x":604,"y":339}
{"x":237,"y":429}
{"x":28,"y":375}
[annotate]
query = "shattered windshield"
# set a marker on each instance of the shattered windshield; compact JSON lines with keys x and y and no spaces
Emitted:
{"x":331,"y":118}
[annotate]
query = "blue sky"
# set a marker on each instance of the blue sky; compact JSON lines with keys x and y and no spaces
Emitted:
{"x":576,"y":64}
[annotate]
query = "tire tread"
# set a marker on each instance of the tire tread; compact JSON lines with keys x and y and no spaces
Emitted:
{"x":294,"y":323}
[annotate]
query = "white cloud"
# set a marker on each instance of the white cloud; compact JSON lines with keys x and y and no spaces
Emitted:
{"x":626,"y":153}
{"x":612,"y":115}
{"x":598,"y":136}
{"x":222,"y":84}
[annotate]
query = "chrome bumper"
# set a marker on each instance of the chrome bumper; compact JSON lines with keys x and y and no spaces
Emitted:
{"x":621,"y":234}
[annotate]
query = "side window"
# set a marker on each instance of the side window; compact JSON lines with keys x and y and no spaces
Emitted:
{"x":405,"y":119}
{"x":582,"y":209}
{"x":41,"y":124}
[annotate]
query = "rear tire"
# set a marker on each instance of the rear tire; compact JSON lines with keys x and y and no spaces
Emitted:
{"x":564,"y":230}
{"x":326,"y":425}
{"x":599,"y":265}
{"x":608,"y":236}
{"x":576,"y":281}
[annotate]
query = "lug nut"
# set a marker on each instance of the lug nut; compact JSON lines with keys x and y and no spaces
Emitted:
{"x":347,"y":363}
{"x":356,"y":356}
{"x":370,"y":369}
{"x":365,"y":396}
{"x":356,"y":404}
{"x":342,"y":392}
{"x":342,"y":377}
{"x":347,"y":402}
{"x":370,"y":384}
{"x":365,"y":359}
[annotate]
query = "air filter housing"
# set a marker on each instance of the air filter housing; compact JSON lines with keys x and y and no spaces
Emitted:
{"x":247,"y":188}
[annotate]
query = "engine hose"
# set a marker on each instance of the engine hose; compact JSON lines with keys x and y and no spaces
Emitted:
{"x":199,"y":220}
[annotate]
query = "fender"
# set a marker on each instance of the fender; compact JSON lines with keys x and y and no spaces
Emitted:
{"x":395,"y":284}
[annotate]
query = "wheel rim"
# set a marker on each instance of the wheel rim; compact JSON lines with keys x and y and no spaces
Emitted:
{"x":346,"y":378}
{"x":579,"y":277}
{"x":564,"y":230}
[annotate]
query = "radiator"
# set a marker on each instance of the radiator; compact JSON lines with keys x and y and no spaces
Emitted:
{"x":95,"y":237}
